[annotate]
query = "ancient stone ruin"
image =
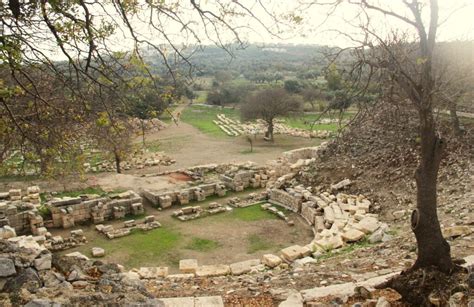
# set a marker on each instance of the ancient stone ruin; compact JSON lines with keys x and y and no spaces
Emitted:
{"x":233,"y":127}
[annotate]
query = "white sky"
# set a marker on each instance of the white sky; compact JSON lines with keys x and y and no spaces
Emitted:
{"x":314,"y":29}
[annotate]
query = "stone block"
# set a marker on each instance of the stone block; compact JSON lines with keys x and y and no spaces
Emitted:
{"x":352,"y":235}
{"x":44,"y":262}
{"x":98,"y":252}
{"x":367,"y":225}
{"x":152,"y":272}
{"x":292,"y":253}
{"x":212,"y":270}
{"x":188,"y":265}
{"x":243,"y":267}
{"x":271,"y":260}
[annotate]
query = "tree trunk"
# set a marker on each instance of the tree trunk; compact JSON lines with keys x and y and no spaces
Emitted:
{"x":117,"y":162}
{"x":142,"y":122}
{"x":454,"y":118}
{"x":433,"y":250}
{"x":270,"y":130}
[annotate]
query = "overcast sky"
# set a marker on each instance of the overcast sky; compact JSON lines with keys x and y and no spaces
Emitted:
{"x":315,"y":28}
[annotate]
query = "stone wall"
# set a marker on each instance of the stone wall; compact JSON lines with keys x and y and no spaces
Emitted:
{"x":166,"y":199}
{"x":68,"y":212}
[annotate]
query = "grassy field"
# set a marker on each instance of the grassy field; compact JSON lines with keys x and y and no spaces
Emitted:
{"x":201,"y":117}
{"x":206,"y":239}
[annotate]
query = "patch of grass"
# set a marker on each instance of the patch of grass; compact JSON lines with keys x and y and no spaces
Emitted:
{"x":257,"y":243}
{"x":346,"y":249}
{"x":45,"y":212}
{"x":202,"y":245}
{"x":202,"y":118}
{"x":140,"y":248}
{"x":251,"y":213}
{"x":304,"y":121}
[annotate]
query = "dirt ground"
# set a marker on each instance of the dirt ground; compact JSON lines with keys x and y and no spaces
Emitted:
{"x":188,"y":146}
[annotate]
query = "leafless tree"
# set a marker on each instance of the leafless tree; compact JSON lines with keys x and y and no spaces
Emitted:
{"x":403,"y":62}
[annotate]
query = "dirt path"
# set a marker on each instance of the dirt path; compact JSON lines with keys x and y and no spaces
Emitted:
{"x":191,"y":147}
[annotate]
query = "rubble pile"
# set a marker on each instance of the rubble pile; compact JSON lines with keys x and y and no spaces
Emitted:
{"x":137,"y":160}
{"x":194,"y":212}
{"x":147,"y":224}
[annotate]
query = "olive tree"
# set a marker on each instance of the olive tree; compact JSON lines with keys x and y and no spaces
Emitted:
{"x":268,"y":105}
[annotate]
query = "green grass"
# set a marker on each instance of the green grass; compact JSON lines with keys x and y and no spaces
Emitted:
{"x":88,"y":190}
{"x":257,"y":243}
{"x":202,"y":117}
{"x":251,"y":213}
{"x":202,"y":245}
{"x":346,"y":249}
{"x":141,"y":248}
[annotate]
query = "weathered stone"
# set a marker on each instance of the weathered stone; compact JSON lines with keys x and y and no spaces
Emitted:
{"x":243,"y":267}
{"x":27,"y":279}
{"x":304,"y":261}
{"x":271,"y":260}
{"x":292,"y":253}
{"x":457,"y":231}
{"x":341,"y":184}
{"x":367,"y":225}
{"x":77,"y":255}
{"x":7,"y":232}
{"x":212,"y":270}
{"x":293,"y":300}
{"x":44,"y":262}
{"x":319,"y":292}
{"x":188,"y":265}
{"x":7,"y":267}
{"x":382,"y":302}
{"x":98,"y":252}
{"x":77,"y":233}
{"x":352,"y":235}
{"x":399,"y":214}
{"x":153,"y":272}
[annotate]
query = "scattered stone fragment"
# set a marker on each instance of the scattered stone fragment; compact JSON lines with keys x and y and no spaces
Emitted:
{"x":98,"y":252}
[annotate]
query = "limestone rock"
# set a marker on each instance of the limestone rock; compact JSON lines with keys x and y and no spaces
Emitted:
{"x":367,"y":225}
{"x":7,"y":232}
{"x":457,"y":231}
{"x":152,"y":272}
{"x":44,"y":262}
{"x":352,"y":235}
{"x":292,"y":253}
{"x":293,"y":300}
{"x":243,"y":267}
{"x":77,"y":255}
{"x":212,"y":270}
{"x":98,"y":252}
{"x":271,"y":260}
{"x":7,"y":267}
{"x":188,"y":266}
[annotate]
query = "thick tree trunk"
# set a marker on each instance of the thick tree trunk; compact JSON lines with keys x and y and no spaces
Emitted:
{"x":117,"y":162}
{"x":454,"y":118}
{"x":433,"y":250}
